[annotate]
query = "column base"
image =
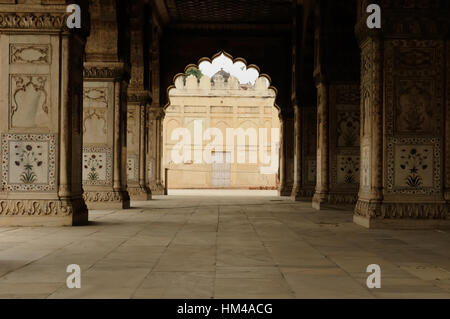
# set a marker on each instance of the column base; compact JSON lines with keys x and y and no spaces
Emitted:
{"x":99,"y":200}
{"x":49,"y":213}
{"x":302,"y":195}
{"x":319,"y":200}
{"x":419,"y":215}
{"x":335,"y":200}
{"x":157,"y":189}
{"x":285,"y":191}
{"x":345,"y":199}
{"x":139,"y":193}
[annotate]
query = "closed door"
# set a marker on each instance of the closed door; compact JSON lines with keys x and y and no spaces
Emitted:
{"x":221,"y":169}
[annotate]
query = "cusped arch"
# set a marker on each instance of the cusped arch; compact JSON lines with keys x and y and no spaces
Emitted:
{"x":180,"y":76}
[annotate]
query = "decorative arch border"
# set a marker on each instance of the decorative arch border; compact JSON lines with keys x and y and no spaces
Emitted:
{"x":234,"y":60}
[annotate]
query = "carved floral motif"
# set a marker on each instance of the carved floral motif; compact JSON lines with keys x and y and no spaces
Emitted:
{"x":349,"y":169}
{"x":97,"y":167}
{"x":29,"y":162}
{"x":414,"y":162}
{"x":30,"y":54}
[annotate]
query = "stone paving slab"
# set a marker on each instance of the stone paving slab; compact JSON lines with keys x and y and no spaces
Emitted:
{"x":223,"y":247}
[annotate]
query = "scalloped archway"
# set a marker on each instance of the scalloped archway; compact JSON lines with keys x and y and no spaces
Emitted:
{"x":205,"y":97}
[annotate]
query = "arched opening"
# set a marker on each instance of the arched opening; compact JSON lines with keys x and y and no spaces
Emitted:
{"x":221,"y":129}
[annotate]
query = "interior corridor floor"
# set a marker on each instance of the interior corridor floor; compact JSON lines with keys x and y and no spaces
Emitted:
{"x":223,"y":247}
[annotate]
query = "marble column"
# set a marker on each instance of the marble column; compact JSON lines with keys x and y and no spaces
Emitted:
{"x":137,"y":145}
{"x":155,"y":156}
{"x":336,"y":74}
{"x":344,"y":143}
{"x":139,"y":99}
{"x":286,"y":155}
{"x":305,"y":154}
{"x":155,"y":117}
{"x":338,"y":152}
{"x":106,"y":79}
{"x":404,"y":128}
{"x":41,"y":85}
{"x":322,"y":182}
{"x":447,"y":130}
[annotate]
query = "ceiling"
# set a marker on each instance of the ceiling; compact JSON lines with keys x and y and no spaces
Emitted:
{"x":229,"y":11}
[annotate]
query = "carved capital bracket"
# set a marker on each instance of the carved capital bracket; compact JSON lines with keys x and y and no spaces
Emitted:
{"x":139,"y":97}
{"x":156,"y":113}
{"x":116,"y":71}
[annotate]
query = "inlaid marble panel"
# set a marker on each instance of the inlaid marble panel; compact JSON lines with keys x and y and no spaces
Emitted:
{"x":415,"y":166}
{"x":97,"y":166}
{"x":348,"y":169}
{"x":29,"y":162}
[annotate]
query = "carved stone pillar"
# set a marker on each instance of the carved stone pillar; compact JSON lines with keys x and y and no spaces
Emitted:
{"x":344,"y":143}
{"x":155,"y":117}
{"x":104,"y":144}
{"x":105,"y":113}
{"x":41,"y":84}
{"x":282,"y":160}
{"x":323,"y":172}
{"x":337,"y":81}
{"x":154,"y":157}
{"x":136,"y":142}
{"x":403,"y":125}
{"x":286,"y":156}
{"x":338,"y":153}
{"x":138,"y":101}
{"x":305,"y":154}
{"x":447,"y":131}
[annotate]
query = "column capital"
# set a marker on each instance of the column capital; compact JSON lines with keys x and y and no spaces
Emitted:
{"x":156,"y":113}
{"x":141,"y":97}
{"x":117,"y":71}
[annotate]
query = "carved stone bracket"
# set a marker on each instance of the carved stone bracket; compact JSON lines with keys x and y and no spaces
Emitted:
{"x":139,"y":97}
{"x":106,"y":70}
{"x":139,"y":193}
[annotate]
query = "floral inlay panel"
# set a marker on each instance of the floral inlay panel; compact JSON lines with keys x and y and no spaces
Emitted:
{"x":415,"y":165}
{"x":348,"y":171}
{"x":29,"y":162}
{"x":97,"y":166}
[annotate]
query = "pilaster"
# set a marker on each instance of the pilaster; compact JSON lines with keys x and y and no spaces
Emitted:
{"x":404,"y":125}
{"x":41,"y":84}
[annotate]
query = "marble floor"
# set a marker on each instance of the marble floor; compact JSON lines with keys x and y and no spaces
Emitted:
{"x":223,"y":247}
